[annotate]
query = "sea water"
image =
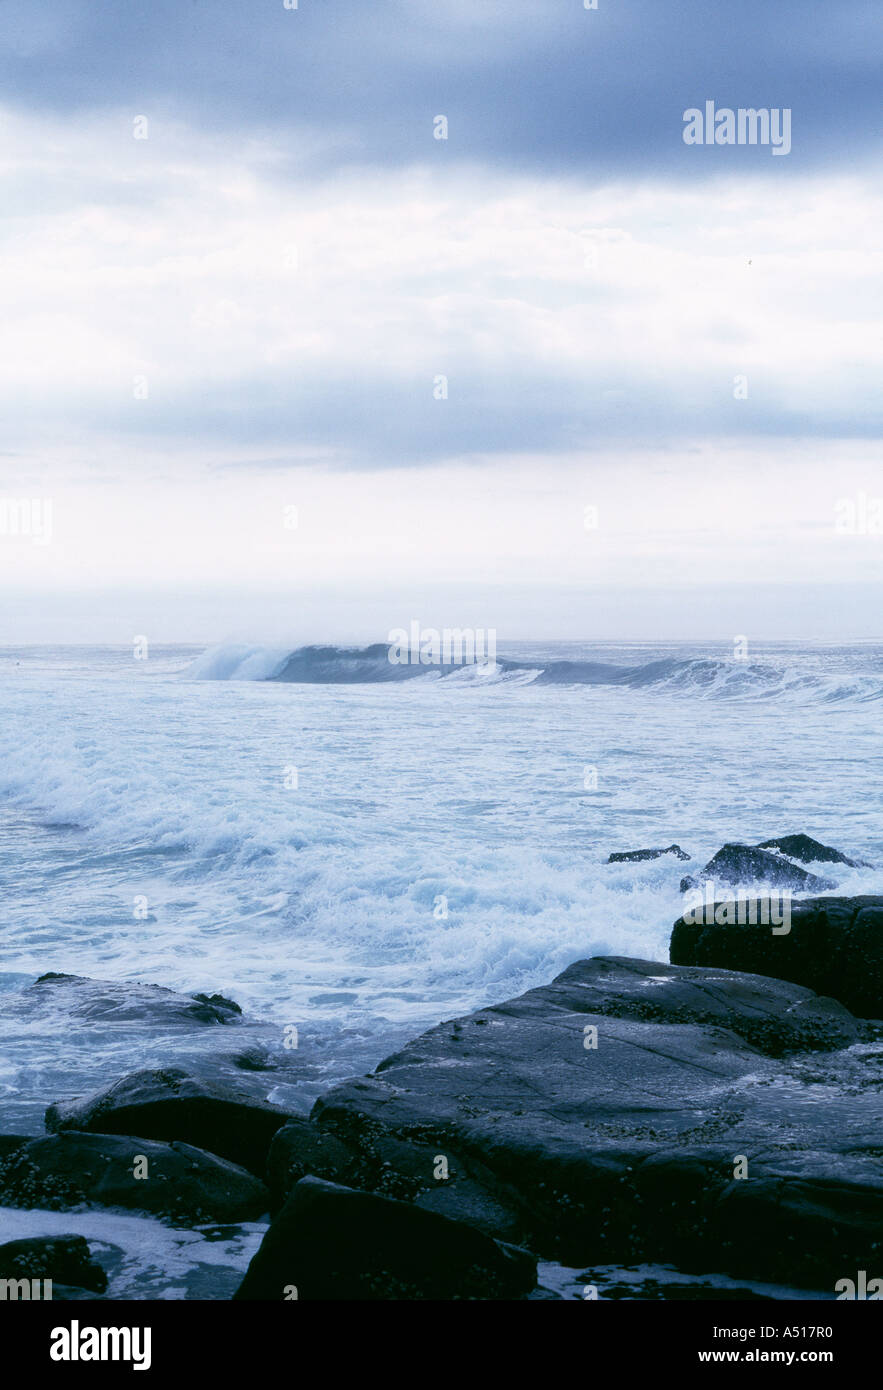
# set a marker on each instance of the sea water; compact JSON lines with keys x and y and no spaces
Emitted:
{"x":354,"y":861}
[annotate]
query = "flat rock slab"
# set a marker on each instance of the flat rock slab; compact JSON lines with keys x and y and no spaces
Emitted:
{"x":68,"y":1170}
{"x":835,"y":946}
{"x":66,"y":1260}
{"x":332,"y":1243}
{"x":602,"y":1118}
{"x":173,"y":1104}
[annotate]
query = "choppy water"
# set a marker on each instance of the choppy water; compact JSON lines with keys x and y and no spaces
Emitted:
{"x":443,"y":846}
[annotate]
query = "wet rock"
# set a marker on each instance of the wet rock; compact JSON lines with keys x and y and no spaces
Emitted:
{"x":253,"y":1059}
{"x":173,"y":1104}
{"x":810,"y":851}
{"x":180,"y":1183}
{"x":635,"y":856}
{"x":601,"y":1119}
{"x":743,"y":865}
{"x":835,"y":946}
{"x":100,"y":1001}
{"x":66,"y":1260}
{"x":333,"y":1243}
{"x":218,"y":1006}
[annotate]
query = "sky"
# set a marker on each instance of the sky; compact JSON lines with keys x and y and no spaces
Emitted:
{"x":279,"y":363}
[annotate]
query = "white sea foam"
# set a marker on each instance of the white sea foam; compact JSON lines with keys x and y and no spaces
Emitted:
{"x":438,"y":848}
{"x":238,"y":662}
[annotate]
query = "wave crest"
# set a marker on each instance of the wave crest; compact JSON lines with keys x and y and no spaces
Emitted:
{"x":702,"y":676}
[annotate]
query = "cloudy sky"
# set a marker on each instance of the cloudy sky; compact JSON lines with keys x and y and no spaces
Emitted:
{"x":559,"y":373}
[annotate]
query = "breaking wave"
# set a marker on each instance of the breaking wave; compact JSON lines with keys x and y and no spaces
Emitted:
{"x":371,"y":665}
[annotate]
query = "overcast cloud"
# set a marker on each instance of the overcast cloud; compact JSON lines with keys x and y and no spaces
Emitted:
{"x":290,"y":282}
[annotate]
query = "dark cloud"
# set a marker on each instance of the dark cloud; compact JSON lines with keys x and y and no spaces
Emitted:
{"x":524,"y":86}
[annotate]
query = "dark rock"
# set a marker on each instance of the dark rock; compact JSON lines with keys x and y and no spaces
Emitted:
{"x":218,"y":1005}
{"x":70,"y":1293}
{"x":668,"y":1291}
{"x":806,"y":1222}
{"x":111,"y":1001}
{"x":626,"y":1152}
{"x":301,"y":1149}
{"x":333,"y":1243}
{"x":634,"y":856}
{"x":743,"y":865}
{"x":10,"y":1142}
{"x":835,"y":945}
{"x":253,"y":1059}
{"x":171,"y":1103}
{"x":183,"y":1184}
{"x":771,"y":1015}
{"x":810,"y":851}
{"x":63,"y":1259}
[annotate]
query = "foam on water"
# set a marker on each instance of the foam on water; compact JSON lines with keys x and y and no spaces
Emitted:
{"x":440,"y":845}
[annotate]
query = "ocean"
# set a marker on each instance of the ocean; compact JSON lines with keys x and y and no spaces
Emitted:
{"x":358,"y":861}
{"x":353,"y":858}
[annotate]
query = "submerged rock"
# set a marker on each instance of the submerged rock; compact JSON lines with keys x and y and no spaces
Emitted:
{"x":172,"y":1104}
{"x":633,"y":1111}
{"x":333,"y":1243}
{"x":176,"y":1181}
{"x":835,"y":945}
{"x":66,"y":1260}
{"x":742,"y":865}
{"x":635,"y":856}
{"x":122,"y":1002}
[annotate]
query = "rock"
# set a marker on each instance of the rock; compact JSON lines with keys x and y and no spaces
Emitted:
{"x":669,"y":1290}
{"x":70,"y":1293}
{"x":106,"y":1024}
{"x":634,"y":856}
{"x":810,"y":851}
{"x":300,"y":1149}
{"x":219,"y":1005}
{"x":105,"y":1000}
{"x":63,"y":1259}
{"x":9,"y":1143}
{"x":253,"y":1059}
{"x":173,"y":1104}
{"x":835,"y":945}
{"x":741,"y":865}
{"x":333,"y":1243}
{"x":183,"y":1184}
{"x":627,"y":1151}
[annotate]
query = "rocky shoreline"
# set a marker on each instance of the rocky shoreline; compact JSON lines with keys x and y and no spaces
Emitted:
{"x":719,"y":1114}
